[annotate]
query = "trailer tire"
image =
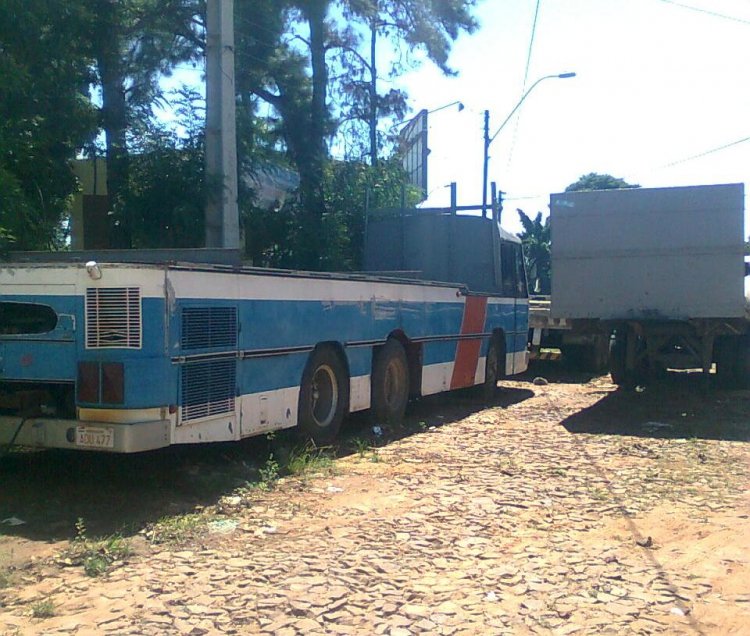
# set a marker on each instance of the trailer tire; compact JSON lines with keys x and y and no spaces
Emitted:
{"x":729,"y":354}
{"x":742,"y":363}
{"x":618,"y":346}
{"x":323,"y":395}
{"x":389,"y":390}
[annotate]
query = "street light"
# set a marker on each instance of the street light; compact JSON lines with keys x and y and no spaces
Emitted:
{"x":488,"y":140}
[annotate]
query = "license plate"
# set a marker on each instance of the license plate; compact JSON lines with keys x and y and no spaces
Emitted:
{"x":95,"y":437}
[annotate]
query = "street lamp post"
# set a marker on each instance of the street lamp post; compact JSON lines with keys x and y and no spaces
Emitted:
{"x":488,"y":140}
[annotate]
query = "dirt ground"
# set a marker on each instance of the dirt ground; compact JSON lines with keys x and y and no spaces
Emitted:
{"x":563,"y":508}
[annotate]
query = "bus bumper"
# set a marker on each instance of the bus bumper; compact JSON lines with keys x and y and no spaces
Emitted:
{"x":72,"y":434}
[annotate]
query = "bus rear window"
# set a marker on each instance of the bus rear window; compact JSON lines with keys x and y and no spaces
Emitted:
{"x":26,"y":318}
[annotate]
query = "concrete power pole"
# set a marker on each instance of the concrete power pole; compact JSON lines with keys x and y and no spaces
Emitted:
{"x":222,"y":216}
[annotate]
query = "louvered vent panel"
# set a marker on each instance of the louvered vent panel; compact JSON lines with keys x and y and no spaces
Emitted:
{"x":207,"y":327}
{"x":208,"y":388}
{"x":113,"y":318}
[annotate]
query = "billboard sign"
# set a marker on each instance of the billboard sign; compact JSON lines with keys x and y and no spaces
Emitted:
{"x":414,"y":151}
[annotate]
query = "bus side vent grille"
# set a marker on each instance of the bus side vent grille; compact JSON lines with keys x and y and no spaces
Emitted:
{"x":208,"y":388}
{"x":206,"y":327}
{"x":113,"y":318}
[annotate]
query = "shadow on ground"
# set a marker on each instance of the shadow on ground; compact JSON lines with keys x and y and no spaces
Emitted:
{"x":678,"y":405}
{"x":50,"y":490}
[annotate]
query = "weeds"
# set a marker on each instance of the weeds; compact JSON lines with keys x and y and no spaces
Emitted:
{"x":177,"y":529}
{"x":95,"y":555}
{"x":362,"y":445}
{"x":269,"y":473}
{"x":43,"y":609}
{"x":5,"y":578}
{"x":367,"y":451}
{"x":309,"y":460}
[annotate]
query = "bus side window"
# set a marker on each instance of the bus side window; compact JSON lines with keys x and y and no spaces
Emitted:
{"x":508,"y":269}
{"x":512,"y":270}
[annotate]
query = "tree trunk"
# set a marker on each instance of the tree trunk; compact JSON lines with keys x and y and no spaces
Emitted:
{"x":114,"y":119}
{"x":314,"y":155}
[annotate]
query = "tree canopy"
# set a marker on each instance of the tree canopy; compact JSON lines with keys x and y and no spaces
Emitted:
{"x":536,"y":250}
{"x":83,"y":78}
{"x":595,"y":181}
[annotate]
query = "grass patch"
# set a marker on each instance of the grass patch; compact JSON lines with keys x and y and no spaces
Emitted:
{"x":43,"y":609}
{"x":6,"y":578}
{"x":177,"y":529}
{"x":366,"y":450}
{"x":96,"y":556}
{"x":309,"y":460}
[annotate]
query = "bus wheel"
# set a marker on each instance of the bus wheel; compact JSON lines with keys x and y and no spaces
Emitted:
{"x":389,"y":391}
{"x":323,"y":396}
{"x":492,"y":370}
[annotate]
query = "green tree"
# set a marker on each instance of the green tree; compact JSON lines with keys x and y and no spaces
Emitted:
{"x":294,"y":56}
{"x":595,"y":181}
{"x":133,"y":43}
{"x":274,"y":238}
{"x":536,"y":250}
{"x":45,"y":117}
{"x":167,"y":188}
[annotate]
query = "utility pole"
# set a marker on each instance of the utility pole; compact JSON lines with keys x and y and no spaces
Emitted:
{"x":222,"y":215}
{"x":485,"y":166}
{"x":373,"y":95}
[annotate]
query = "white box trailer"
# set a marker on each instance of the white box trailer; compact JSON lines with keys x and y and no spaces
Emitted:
{"x":661,"y":269}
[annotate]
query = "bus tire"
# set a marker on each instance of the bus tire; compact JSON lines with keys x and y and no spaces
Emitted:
{"x":389,"y":390}
{"x":492,"y":374}
{"x":323,"y":395}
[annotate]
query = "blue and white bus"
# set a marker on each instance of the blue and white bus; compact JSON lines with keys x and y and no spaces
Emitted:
{"x":128,"y":357}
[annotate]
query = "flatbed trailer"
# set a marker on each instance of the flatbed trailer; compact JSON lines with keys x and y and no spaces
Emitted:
{"x":661,"y":272}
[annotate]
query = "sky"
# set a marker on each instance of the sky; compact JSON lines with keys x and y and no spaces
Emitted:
{"x":658,"y":83}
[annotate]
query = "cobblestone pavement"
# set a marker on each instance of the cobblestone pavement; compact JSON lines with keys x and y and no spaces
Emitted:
{"x":543,"y":517}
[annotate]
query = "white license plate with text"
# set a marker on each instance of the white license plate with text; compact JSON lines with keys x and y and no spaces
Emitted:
{"x":95,"y":436}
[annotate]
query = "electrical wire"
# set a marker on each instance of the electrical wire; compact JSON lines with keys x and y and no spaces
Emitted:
{"x":706,"y":152}
{"x":531,"y":45}
{"x":525,"y":78}
{"x":714,"y":14}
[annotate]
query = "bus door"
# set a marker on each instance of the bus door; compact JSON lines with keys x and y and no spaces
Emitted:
{"x":514,"y":287}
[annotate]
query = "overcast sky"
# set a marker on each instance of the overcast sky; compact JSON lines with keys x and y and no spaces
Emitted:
{"x":658,"y":82}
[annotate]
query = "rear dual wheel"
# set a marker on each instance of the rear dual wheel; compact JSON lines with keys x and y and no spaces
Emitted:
{"x":323,"y":395}
{"x":389,"y":392}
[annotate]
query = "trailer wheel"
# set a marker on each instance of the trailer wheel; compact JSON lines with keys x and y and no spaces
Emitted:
{"x":618,"y":346}
{"x":389,"y":390}
{"x":741,"y":374}
{"x":729,"y":354}
{"x":492,"y":369}
{"x":323,"y":395}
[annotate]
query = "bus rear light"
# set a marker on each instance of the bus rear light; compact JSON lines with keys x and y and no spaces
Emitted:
{"x":101,"y":383}
{"x":172,"y":409}
{"x":88,"y":382}
{"x":113,"y":383}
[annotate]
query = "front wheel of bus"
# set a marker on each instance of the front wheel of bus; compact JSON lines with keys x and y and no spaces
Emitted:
{"x":323,"y":396}
{"x":390,"y":383}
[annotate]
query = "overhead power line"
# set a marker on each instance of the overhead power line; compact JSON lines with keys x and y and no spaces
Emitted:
{"x":525,"y":78}
{"x":706,"y":152}
{"x":715,"y":14}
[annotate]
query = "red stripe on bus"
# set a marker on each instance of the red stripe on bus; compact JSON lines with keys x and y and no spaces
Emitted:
{"x":467,"y":351}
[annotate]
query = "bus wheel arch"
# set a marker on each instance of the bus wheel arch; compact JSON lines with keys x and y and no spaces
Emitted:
{"x":324,"y":393}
